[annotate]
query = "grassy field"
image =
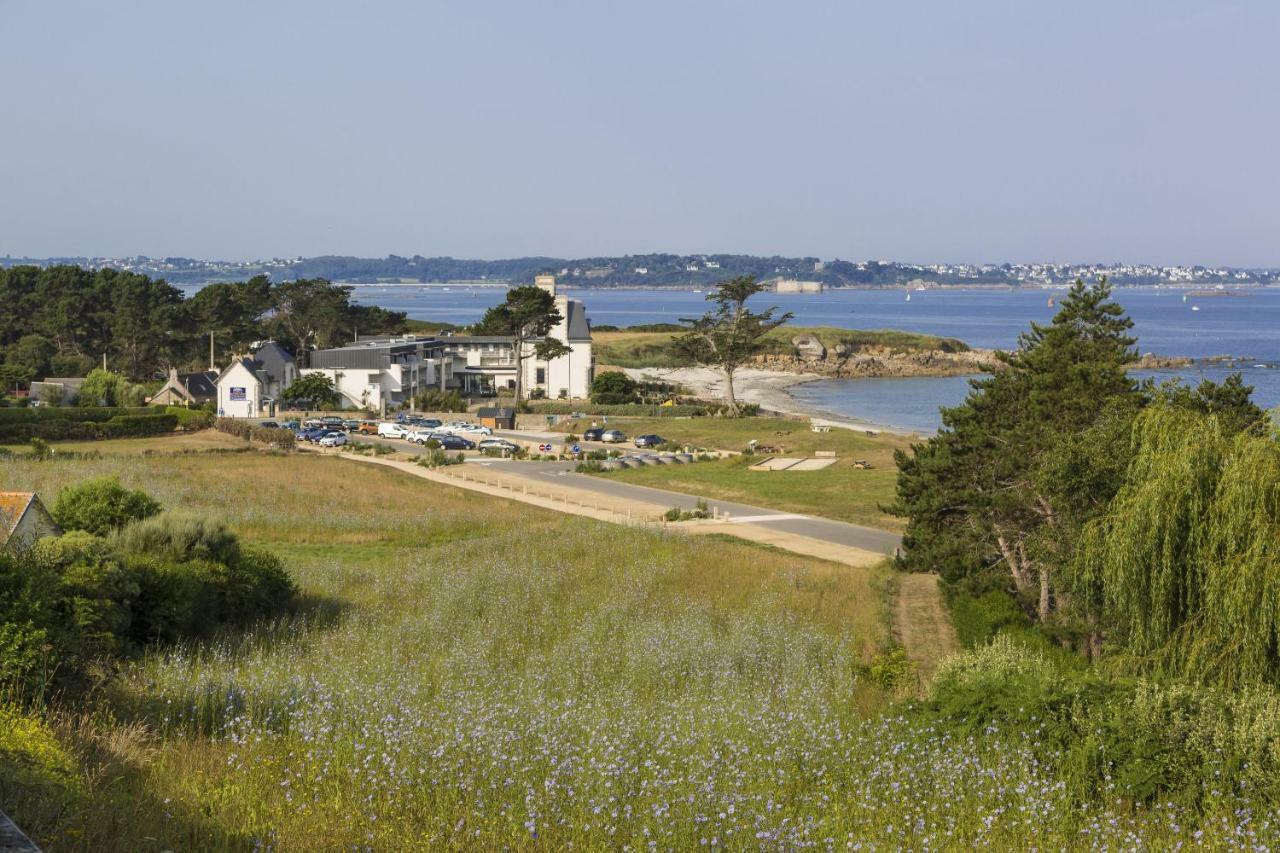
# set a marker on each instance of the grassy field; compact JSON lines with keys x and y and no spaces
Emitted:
{"x":205,"y":439}
{"x":841,"y":491}
{"x":535,"y":668}
{"x":654,"y":349}
{"x":468,"y":673}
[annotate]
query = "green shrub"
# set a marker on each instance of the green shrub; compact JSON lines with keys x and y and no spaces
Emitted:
{"x":281,"y":439}
{"x":179,"y":536}
{"x":435,"y":400}
{"x":101,"y":505}
{"x":1150,"y":741}
{"x":191,"y":419}
{"x":613,"y":387}
{"x":90,"y":604}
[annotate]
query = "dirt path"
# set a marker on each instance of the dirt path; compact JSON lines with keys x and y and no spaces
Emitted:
{"x":921,"y":622}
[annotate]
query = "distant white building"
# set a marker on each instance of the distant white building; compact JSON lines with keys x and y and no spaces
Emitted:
{"x":250,"y":386}
{"x":378,"y":373}
{"x":374,"y":373}
{"x":790,"y":285}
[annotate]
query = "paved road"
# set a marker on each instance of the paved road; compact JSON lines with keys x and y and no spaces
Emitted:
{"x":826,"y":530}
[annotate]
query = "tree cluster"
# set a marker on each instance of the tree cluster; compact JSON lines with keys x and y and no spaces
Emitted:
{"x":1043,"y":483}
{"x":122,"y":576}
{"x":62,"y":321}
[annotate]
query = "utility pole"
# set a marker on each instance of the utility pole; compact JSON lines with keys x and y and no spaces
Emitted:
{"x":211,"y":365}
{"x":104,"y":361}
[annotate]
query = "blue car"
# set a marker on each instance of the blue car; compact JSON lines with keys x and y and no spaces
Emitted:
{"x":453,"y":442}
{"x":313,"y":434}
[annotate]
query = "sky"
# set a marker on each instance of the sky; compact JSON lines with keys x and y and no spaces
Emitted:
{"x":974,"y":131}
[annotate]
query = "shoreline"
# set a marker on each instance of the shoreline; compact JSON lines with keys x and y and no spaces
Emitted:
{"x":769,"y":389}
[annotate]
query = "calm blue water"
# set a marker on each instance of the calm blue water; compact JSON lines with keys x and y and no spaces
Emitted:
{"x":1244,"y":326}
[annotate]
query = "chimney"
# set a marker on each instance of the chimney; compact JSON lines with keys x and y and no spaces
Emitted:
{"x":546,"y":282}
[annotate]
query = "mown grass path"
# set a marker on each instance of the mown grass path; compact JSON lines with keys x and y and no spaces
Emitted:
{"x":921,"y":623}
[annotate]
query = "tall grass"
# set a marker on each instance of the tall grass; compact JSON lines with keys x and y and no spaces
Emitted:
{"x":475,"y":674}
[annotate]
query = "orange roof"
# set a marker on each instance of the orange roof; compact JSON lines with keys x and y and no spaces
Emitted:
{"x":13,"y":505}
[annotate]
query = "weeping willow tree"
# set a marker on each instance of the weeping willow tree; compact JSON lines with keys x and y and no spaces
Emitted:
{"x":1186,"y":561}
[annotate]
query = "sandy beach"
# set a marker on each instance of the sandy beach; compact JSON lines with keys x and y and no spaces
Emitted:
{"x":766,"y":388}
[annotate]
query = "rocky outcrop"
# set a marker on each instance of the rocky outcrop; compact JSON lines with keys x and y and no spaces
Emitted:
{"x":840,"y":362}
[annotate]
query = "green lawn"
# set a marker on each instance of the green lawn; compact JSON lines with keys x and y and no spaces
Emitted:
{"x":841,"y":492}
{"x":794,"y":437}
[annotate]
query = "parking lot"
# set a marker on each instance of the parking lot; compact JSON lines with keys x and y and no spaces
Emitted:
{"x":534,"y":442}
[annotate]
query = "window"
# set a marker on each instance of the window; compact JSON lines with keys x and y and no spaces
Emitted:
{"x":541,"y":378}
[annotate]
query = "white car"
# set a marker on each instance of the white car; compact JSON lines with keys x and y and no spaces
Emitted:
{"x":392,"y":431}
{"x":420,"y":436}
{"x":333,"y":439}
{"x":498,"y":444}
{"x":473,"y":429}
{"x":456,"y":427}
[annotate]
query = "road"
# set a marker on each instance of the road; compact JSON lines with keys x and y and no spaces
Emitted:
{"x":822,"y":529}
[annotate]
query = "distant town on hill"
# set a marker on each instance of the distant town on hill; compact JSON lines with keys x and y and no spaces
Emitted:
{"x":660,"y":270}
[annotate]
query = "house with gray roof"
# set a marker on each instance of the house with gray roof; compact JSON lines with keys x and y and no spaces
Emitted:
{"x":251,"y":386}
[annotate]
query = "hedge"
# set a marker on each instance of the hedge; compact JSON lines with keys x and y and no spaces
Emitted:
{"x":191,"y":419}
{"x":283,"y":439}
{"x":96,"y":414}
{"x":119,"y":426}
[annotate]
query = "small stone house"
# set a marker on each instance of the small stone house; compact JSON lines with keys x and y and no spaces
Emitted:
{"x":187,"y":389}
{"x":23,"y":520}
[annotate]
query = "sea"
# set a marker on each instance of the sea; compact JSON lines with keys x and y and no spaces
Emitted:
{"x":1243,"y":324}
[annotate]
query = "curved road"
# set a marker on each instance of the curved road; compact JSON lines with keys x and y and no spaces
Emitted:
{"x":837,"y":532}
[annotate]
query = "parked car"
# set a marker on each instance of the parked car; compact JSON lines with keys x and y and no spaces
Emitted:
{"x":293,"y":425}
{"x":332,"y":439}
{"x":392,"y":431}
{"x":311,"y":423}
{"x":650,"y":440}
{"x":429,"y":423}
{"x":592,"y":434}
{"x":351,"y":425}
{"x":332,"y":421}
{"x":312,"y":434}
{"x":449,"y":441}
{"x":453,"y":427}
{"x":473,"y":429}
{"x":368,"y":428}
{"x":419,"y":435}
{"x":613,"y":436}
{"x":498,"y":444}
{"x":269,"y":425}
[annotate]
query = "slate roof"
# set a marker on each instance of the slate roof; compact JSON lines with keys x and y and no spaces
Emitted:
{"x":200,"y":384}
{"x":272,"y":359}
{"x":579,"y":328}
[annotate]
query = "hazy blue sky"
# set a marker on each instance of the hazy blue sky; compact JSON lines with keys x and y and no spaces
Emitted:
{"x":910,"y":130}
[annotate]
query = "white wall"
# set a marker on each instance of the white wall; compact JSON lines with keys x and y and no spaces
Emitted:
{"x":363,"y":387}
{"x":239,"y":376}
